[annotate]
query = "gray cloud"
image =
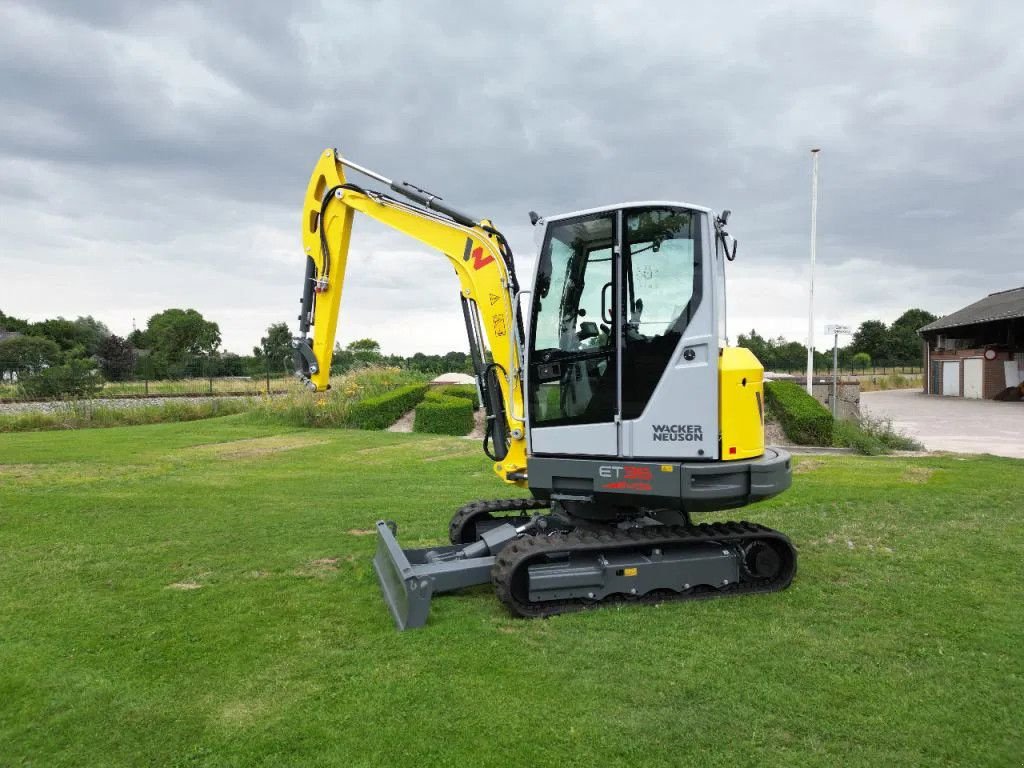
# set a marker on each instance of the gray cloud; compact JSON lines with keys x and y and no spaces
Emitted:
{"x":155,"y":156}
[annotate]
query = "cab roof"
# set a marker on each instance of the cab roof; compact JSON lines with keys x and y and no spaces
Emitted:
{"x":636,"y":204}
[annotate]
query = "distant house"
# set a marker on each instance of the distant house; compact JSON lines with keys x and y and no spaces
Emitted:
{"x":978,"y":351}
{"x":4,"y":335}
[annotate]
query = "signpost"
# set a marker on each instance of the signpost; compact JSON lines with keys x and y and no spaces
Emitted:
{"x":835,"y":330}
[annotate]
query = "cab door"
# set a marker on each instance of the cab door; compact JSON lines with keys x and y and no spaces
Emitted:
{"x":669,"y":398}
{"x":573,"y":355}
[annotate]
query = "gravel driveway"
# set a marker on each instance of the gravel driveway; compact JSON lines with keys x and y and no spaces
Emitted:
{"x":951,"y":423}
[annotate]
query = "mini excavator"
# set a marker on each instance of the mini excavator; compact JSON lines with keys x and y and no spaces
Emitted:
{"x":619,"y":405}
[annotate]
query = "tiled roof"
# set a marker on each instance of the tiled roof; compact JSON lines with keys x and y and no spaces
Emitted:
{"x":1004,"y":305}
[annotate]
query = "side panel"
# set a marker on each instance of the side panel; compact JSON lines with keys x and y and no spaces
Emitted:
{"x":741,"y":404}
{"x":691,"y":486}
{"x":572,"y":439}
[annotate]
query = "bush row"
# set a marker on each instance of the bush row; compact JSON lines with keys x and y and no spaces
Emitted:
{"x":381,"y":411}
{"x":464,"y":391}
{"x":804,"y":420}
{"x":86,"y":414}
{"x":451,"y":416}
{"x":447,"y":411}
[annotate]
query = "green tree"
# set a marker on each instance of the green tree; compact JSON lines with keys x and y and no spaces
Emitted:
{"x":342,"y":360}
{"x":861,"y":360}
{"x":27,"y":354}
{"x":905,"y":343}
{"x":117,"y":358}
{"x":457,"y":362}
{"x":92,"y":332}
{"x":276,"y":347}
{"x":760,"y":347}
{"x":175,"y":335}
{"x":790,"y":355}
{"x":873,"y":338}
{"x":76,"y":338}
{"x":8,"y":323}
{"x":365,"y":351}
{"x":137,"y":338}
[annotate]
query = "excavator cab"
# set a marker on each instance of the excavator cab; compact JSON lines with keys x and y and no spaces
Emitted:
{"x":637,"y":272}
{"x":656,"y":393}
{"x":619,"y":404}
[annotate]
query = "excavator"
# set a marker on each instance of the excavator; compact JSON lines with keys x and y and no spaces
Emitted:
{"x":618,"y":405}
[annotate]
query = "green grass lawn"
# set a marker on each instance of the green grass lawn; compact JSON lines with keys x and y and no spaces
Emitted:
{"x":201,"y":594}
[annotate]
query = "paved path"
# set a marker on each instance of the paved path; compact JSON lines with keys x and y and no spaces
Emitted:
{"x":951,"y":423}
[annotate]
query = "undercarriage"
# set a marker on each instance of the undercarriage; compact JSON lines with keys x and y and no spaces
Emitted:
{"x":545,"y":560}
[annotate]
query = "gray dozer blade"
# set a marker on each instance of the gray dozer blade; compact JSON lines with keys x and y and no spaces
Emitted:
{"x":409,"y":578}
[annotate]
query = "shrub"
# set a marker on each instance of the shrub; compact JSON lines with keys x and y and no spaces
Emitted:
{"x":465,"y":391}
{"x":302,"y":408}
{"x":382,"y":411}
{"x":872,"y":437}
{"x":804,"y":420}
{"x":892,"y":381}
{"x":442,"y":415}
{"x":76,"y":378}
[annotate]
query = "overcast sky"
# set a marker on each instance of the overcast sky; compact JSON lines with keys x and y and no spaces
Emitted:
{"x":155,"y":155}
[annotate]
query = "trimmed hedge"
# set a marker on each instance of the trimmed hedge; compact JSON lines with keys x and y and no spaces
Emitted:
{"x":441,"y":414}
{"x":804,"y":420}
{"x":465,"y":391}
{"x":382,"y":411}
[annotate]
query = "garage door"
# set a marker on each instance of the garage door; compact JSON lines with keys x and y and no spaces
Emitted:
{"x":951,"y":378}
{"x":972,"y":377}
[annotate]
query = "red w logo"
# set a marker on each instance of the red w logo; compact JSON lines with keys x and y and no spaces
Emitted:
{"x":478,"y":258}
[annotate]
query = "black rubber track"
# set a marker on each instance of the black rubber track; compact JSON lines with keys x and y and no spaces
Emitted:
{"x":462,"y":528}
{"x":509,"y":574}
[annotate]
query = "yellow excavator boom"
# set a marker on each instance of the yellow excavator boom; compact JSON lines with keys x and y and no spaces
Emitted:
{"x":482,"y":262}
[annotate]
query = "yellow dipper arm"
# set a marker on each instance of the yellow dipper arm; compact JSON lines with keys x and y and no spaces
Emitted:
{"x":487,"y":291}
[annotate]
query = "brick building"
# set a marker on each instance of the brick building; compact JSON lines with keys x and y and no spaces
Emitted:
{"x":978,"y":351}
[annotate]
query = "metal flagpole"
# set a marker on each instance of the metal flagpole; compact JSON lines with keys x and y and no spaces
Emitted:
{"x":814,"y":246}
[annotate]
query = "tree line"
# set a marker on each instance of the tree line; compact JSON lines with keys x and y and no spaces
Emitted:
{"x":58,"y":356}
{"x":873,"y":344}
{"x":276,"y":347}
